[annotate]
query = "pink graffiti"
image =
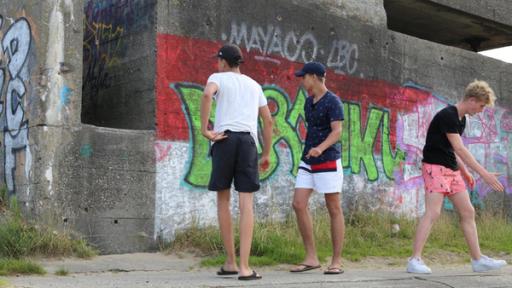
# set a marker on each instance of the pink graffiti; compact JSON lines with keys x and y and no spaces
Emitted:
{"x":506,"y":122}
{"x":162,"y":151}
{"x":484,"y":130}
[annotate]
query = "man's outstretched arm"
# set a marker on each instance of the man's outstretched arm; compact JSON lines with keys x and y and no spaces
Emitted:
{"x":466,"y":156}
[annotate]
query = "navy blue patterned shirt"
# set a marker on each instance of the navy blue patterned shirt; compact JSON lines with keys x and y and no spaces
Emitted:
{"x":319,"y":116}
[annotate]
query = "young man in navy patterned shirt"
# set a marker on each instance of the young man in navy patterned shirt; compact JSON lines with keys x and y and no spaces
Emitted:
{"x":320,"y":168}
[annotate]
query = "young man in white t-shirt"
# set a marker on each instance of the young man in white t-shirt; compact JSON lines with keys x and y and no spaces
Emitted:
{"x":240,"y":100}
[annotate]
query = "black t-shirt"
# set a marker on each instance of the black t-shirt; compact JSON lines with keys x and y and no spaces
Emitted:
{"x":319,"y":116}
{"x":438,"y":149}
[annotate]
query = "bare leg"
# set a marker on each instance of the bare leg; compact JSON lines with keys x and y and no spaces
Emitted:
{"x":466,"y":211}
{"x":332,"y":200}
{"x":300,"y":205}
{"x":246,"y":230}
{"x":226,"y":229}
{"x":433,"y":205}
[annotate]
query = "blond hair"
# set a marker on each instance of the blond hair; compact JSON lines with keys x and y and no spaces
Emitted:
{"x":481,"y":91}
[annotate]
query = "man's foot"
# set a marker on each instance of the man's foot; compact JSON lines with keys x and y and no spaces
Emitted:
{"x":228,"y":269}
{"x":253,"y":276}
{"x":486,"y":263}
{"x":224,"y":272}
{"x":304,"y":267}
{"x":416,"y":265}
{"x":333,"y":270}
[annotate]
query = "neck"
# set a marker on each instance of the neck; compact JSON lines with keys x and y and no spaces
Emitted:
{"x":234,"y":70}
{"x":319,"y":91}
{"x":461,"y":109}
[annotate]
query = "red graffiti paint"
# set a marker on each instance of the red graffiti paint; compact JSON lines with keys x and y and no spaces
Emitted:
{"x":506,"y":122}
{"x":184,"y":59}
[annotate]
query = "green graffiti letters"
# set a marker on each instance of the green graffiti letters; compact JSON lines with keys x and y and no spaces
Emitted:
{"x":358,"y":140}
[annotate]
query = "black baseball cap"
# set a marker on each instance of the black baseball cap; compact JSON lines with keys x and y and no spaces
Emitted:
{"x":314,"y":68}
{"x":231,"y":53}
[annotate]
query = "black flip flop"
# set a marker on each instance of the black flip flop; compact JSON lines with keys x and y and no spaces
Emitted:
{"x":333,"y":271}
{"x":253,"y":276}
{"x":223,"y":272}
{"x":306,"y":268}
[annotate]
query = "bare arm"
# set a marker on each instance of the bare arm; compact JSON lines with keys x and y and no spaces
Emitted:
{"x":332,"y":138}
{"x":468,"y":159}
{"x":268,"y":122}
{"x":206,"y":106}
{"x":462,"y":166}
{"x":465,"y":173}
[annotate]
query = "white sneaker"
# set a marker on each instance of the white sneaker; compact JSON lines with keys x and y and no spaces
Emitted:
{"x":416,"y":265}
{"x":486,"y":263}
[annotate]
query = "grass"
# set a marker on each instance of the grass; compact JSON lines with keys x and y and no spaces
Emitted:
{"x":20,"y":240}
{"x":367,"y":235}
{"x":62,"y":272}
{"x":19,"y":266}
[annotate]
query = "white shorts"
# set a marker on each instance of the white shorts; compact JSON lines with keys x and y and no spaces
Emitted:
{"x":323,"y":178}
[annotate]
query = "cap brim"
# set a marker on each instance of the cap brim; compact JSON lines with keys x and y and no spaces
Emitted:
{"x":300,"y":73}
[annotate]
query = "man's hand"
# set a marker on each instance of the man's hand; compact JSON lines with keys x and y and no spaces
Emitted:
{"x":314,"y":152}
{"x":214,"y":136}
{"x":264,"y":163}
{"x":492,"y":180}
{"x":469,"y":179}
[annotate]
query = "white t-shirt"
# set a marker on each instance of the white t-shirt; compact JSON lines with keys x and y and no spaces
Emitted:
{"x":238,"y":100}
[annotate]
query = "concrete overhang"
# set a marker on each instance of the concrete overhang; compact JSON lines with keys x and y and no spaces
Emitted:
{"x":446,"y":25}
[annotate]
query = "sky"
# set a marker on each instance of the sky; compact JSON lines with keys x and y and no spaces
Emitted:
{"x":503,"y":54}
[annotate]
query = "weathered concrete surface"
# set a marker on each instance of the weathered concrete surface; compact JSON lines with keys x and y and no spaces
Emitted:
{"x":443,"y":23}
{"x":156,"y":270}
{"x":109,"y":172}
{"x":496,"y":10}
{"x":364,"y":11}
{"x":122,"y":189}
{"x":391,"y":83}
{"x":119,"y":64}
{"x":41,"y":61}
{"x":96,"y":182}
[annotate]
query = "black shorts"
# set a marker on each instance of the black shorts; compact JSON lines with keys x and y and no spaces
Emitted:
{"x":235,"y":157}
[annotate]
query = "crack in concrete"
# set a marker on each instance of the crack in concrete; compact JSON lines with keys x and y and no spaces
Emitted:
{"x":118,"y":270}
{"x":117,"y":169}
{"x":434,"y":281}
{"x":323,"y":281}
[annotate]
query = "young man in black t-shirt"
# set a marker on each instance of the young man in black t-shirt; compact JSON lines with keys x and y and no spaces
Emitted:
{"x":444,"y":171}
{"x":320,"y":168}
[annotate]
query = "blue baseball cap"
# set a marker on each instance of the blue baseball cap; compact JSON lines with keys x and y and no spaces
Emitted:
{"x":314,"y":68}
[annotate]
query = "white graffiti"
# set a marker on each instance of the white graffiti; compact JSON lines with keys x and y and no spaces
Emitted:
{"x":271,"y":40}
{"x":15,"y":46}
{"x":343,"y":57}
{"x":304,"y":47}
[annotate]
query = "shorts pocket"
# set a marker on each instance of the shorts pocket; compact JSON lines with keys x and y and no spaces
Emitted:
{"x":251,"y":141}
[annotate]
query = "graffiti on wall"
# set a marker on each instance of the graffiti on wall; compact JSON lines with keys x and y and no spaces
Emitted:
{"x":383,"y":133}
{"x":14,"y":86}
{"x":273,"y":42}
{"x":382,"y":140}
{"x":358,"y":141}
{"x":106,"y":24}
{"x":486,"y":136}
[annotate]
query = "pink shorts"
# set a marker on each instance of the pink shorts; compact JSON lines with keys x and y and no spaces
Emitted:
{"x":440,"y":179}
